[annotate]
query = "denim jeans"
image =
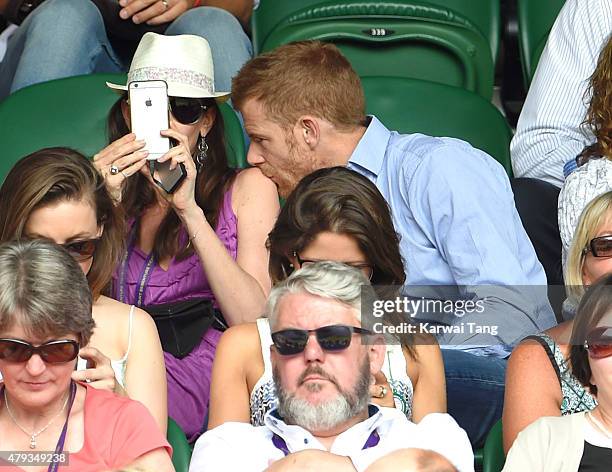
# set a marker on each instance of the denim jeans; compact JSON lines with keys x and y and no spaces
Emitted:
{"x":474,"y":391}
{"x":63,"y":38}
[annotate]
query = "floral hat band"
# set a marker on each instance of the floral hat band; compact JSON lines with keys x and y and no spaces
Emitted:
{"x":184,"y":62}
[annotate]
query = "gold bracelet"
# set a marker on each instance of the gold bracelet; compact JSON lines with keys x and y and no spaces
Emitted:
{"x":191,"y":238}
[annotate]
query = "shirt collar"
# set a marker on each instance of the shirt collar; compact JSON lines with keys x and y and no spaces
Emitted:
{"x":370,"y":151}
{"x":298,"y":438}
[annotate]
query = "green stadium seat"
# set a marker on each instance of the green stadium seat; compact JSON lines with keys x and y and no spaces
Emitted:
{"x":494,"y":458}
{"x":418,"y":106}
{"x":535,"y":20}
{"x":485,"y":15}
{"x":181,"y":450}
{"x":72,"y":112}
{"x":428,"y":40}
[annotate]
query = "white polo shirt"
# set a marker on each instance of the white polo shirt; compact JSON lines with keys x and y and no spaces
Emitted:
{"x":240,"y":446}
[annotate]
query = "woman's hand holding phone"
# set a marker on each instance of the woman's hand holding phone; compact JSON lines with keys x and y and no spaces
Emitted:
{"x":125,"y":155}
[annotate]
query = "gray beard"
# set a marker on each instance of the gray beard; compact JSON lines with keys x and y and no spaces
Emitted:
{"x":330,"y":414}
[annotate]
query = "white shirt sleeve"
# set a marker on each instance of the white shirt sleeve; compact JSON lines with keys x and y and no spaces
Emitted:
{"x":549,"y":131}
{"x":436,"y":432}
{"x":233,"y":446}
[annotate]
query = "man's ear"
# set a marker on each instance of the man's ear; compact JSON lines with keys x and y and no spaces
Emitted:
{"x":309,"y":130}
{"x":377,"y":350}
{"x":125,"y":111}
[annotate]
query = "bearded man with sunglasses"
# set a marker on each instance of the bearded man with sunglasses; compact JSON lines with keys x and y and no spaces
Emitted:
{"x":45,"y":317}
{"x":323,"y":364}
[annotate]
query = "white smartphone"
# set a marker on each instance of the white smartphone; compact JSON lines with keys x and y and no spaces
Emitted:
{"x":149,"y":115}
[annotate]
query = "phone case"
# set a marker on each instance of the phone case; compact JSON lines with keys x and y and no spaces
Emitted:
{"x":149,"y":115}
{"x":167,"y":179}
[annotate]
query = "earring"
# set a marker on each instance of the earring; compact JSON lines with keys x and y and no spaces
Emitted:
{"x":202,"y":152}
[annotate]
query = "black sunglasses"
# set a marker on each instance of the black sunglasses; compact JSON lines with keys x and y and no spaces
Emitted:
{"x":364,"y":267}
{"x":53,"y":352}
{"x":331,"y":338}
{"x":82,"y":250}
{"x":186,"y":110}
{"x":600,"y":247}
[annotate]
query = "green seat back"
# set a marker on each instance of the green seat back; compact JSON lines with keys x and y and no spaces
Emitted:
{"x":409,"y":106}
{"x":72,"y":112}
{"x":494,"y":458}
{"x":181,"y":450}
{"x":484,"y":14}
{"x":402,"y":38}
{"x":535,"y":19}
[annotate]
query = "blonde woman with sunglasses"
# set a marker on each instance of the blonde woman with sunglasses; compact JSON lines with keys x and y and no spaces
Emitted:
{"x":539,"y":379}
{"x":56,"y":194}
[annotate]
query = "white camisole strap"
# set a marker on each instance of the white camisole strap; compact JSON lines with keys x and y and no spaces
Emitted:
{"x":265,"y":338}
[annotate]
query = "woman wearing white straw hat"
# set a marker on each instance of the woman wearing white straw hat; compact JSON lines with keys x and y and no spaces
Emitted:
{"x":198,"y":254}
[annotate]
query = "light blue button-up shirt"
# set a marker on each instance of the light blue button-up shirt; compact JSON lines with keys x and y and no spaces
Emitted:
{"x":454,"y":210}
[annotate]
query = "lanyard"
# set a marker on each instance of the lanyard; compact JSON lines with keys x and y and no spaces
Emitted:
{"x":281,"y":444}
{"x":55,"y":459}
{"x":144,"y":275}
{"x":53,"y":467}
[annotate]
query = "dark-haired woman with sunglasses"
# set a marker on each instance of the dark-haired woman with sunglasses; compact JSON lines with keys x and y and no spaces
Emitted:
{"x":333,"y":214}
{"x":581,"y":441}
{"x":56,"y":194}
{"x":204,"y":244}
{"x":539,"y":379}
{"x":45,"y":320}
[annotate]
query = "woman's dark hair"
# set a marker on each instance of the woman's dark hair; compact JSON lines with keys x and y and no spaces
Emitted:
{"x":595,"y":304}
{"x":53,"y":175}
{"x":213,"y":180}
{"x":340,"y":200}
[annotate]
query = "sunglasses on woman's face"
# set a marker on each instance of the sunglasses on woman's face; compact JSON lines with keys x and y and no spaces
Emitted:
{"x":186,"y":110}
{"x":599,"y":342}
{"x":82,"y":250}
{"x":53,"y":352}
{"x":365,"y":268}
{"x":289,"y":342}
{"x":600,"y":247}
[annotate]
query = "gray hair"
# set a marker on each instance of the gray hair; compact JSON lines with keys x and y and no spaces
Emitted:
{"x":325,"y":279}
{"x":44,"y":289}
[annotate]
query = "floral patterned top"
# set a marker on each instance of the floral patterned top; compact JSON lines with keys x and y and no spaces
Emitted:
{"x":575,"y":397}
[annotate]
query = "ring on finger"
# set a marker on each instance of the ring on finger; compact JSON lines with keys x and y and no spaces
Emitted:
{"x":165,"y":4}
{"x":383,"y":391}
{"x":114,"y":170}
{"x":124,"y":174}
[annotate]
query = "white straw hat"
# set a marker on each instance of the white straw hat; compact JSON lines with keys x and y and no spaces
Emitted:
{"x":184,"y":62}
